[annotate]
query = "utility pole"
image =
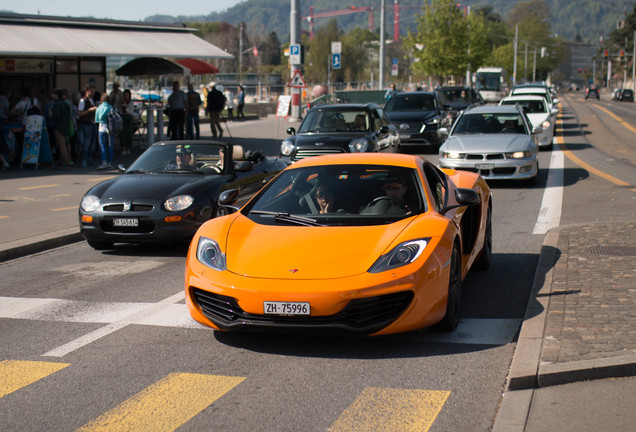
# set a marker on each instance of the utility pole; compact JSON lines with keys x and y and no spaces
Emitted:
{"x":294,"y":39}
{"x":514,"y":67}
{"x":381,"y":80}
{"x":634,"y":65}
{"x":240,"y":69}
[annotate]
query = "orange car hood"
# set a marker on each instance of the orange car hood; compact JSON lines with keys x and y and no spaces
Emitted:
{"x":290,"y":252}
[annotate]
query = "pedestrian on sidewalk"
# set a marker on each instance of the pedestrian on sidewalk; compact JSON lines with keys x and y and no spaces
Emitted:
{"x":216,"y":103}
{"x":62,"y":124}
{"x":178,"y":104}
{"x":105,"y":138}
{"x":87,"y":133}
{"x":241,"y":104}
{"x":192,"y":119}
{"x":127,"y":112}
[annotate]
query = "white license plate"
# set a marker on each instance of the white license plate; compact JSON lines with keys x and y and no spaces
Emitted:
{"x":405,"y":136}
{"x":126,"y":222}
{"x":286,"y":308}
{"x":485,"y":166}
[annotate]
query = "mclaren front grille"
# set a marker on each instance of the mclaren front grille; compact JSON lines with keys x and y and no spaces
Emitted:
{"x":364,"y":316}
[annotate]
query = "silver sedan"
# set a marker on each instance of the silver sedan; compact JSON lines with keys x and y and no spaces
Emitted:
{"x":498,"y":142}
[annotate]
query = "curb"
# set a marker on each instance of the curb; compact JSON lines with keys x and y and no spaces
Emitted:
{"x":40,"y":243}
{"x":526,"y":373}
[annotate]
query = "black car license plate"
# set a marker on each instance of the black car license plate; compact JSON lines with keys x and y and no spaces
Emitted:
{"x":126,"y":222}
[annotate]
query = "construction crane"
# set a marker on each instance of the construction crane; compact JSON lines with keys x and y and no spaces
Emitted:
{"x":351,"y":9}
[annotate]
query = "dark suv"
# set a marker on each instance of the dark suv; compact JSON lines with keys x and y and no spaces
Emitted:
{"x":455,"y":100}
{"x":417,"y":116}
{"x":592,"y":92}
{"x":340,"y":128}
{"x":627,"y":95}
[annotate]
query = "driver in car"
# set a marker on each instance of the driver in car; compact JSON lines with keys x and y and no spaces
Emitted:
{"x":184,"y":156}
{"x":392,"y":199}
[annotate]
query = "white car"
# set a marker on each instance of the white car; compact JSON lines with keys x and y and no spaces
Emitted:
{"x":537,"y":110}
{"x":538,"y":90}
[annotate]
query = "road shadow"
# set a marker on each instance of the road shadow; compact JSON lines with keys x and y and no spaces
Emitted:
{"x":172,"y":250}
{"x":571,"y":176}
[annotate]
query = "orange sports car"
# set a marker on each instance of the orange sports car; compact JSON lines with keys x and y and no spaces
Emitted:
{"x":362,"y":243}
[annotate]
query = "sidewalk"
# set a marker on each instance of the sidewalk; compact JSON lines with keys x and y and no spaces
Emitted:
{"x":580,"y":325}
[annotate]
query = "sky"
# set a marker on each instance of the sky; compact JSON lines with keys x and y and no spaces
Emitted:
{"x":129,"y":10}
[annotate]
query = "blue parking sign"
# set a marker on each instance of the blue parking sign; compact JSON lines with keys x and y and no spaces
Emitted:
{"x":335,"y":61}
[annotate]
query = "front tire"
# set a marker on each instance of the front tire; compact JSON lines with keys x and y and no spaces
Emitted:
{"x":100,"y":244}
{"x":485,"y":255}
{"x":454,"y":301}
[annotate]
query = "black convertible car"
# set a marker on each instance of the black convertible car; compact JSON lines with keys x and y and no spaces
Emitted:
{"x":169,"y":191}
{"x":340,"y":128}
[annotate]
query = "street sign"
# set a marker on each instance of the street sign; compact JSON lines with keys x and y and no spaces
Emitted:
{"x":336,"y":47}
{"x":297,"y":81}
{"x":394,"y":66}
{"x":295,"y":57}
{"x":335,"y":61}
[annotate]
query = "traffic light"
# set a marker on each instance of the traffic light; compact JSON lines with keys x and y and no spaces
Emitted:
{"x":622,"y":54}
{"x":606,"y":54}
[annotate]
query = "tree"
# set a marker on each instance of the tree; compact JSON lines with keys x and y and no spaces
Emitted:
{"x":446,"y":41}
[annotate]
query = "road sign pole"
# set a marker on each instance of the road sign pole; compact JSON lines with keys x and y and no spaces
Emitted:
{"x":294,"y":36}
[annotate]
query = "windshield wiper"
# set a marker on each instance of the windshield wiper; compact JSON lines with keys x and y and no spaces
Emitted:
{"x":286,"y":217}
{"x":139,"y":171}
{"x":181,"y":170}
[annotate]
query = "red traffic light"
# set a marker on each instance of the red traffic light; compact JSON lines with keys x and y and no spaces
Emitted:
{"x":606,"y":54}
{"x":622,"y":54}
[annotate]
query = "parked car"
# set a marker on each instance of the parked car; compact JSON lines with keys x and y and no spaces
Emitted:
{"x":417,"y":116}
{"x":536,"y":108}
{"x":160,"y":198}
{"x":627,"y":95}
{"x":456,"y":99}
{"x":498,"y":142}
{"x":389,"y":256}
{"x":340,"y":128}
{"x":592,"y":92}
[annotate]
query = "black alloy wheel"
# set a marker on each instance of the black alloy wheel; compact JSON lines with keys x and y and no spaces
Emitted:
{"x":454,"y":302}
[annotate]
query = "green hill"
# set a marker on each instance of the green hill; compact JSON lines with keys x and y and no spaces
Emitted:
{"x":587,"y":19}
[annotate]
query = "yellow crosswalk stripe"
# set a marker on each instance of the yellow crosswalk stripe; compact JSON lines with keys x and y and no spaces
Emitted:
{"x":385,"y":409}
{"x":15,"y":374}
{"x":165,"y":405}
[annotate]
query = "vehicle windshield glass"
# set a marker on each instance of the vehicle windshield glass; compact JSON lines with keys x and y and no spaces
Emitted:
{"x":449,"y":96}
{"x":529,"y":106}
{"x":321,"y":121}
{"x":490,"y":123}
{"x":411,"y":102}
{"x":340,"y":195}
{"x":488,"y":81}
{"x":170,"y":158}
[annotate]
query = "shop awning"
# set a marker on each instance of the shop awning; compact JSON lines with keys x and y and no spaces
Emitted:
{"x":198,"y":67}
{"x":82,"y":39}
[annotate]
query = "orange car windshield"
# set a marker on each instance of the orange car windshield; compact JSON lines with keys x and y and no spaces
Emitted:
{"x":340,"y":195}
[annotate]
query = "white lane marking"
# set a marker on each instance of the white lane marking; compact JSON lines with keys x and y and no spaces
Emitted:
{"x":107,"y":269}
{"x":169,"y":313}
{"x":110,"y":328}
{"x":550,"y":212}
{"x":478,"y":331}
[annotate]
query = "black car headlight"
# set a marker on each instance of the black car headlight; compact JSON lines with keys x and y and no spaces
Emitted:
{"x":89,"y":203}
{"x":286,"y":148}
{"x":178,"y":203}
{"x":401,"y":255}
{"x":359,"y":145}
{"x":209,"y":254}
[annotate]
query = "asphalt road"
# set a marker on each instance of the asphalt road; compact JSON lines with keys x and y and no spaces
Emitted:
{"x":95,"y":339}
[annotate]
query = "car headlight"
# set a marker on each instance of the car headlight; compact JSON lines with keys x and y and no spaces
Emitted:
{"x":286,"y":148}
{"x":453,"y":155}
{"x":209,"y":254}
{"x":89,"y":203}
{"x":401,"y":255}
{"x":546,"y":124}
{"x":178,"y":203}
{"x":519,"y":155}
{"x":359,"y":145}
